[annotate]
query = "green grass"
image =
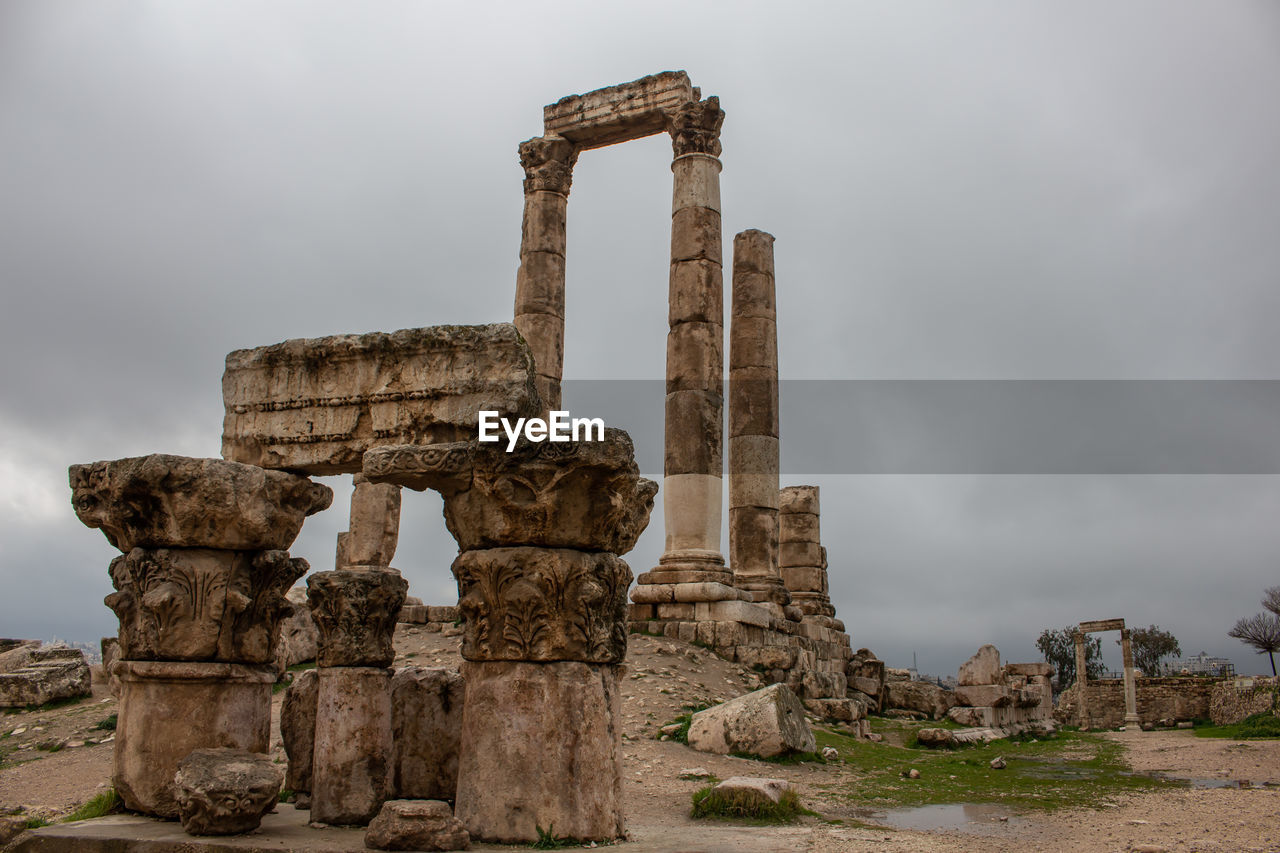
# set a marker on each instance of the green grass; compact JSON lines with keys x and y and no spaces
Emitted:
{"x":548,"y":840}
{"x":1069,"y":769}
{"x":710,"y":803}
{"x":788,"y":758}
{"x":1255,"y":727}
{"x":35,"y":823}
{"x":685,"y":719}
{"x":297,"y":667}
{"x":107,"y":725}
{"x":56,"y":746}
{"x":47,"y":706}
{"x":101,"y":805}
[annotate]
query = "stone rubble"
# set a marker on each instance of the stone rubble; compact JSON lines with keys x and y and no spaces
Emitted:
{"x":768,"y":722}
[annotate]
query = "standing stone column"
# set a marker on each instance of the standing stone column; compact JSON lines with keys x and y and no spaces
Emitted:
{"x":802,"y":559}
{"x":1082,"y":681}
{"x":539,"y":311}
{"x":695,"y":345}
{"x":1130,"y":686}
{"x":753,"y":421}
{"x":355,"y":612}
{"x":374,"y":528}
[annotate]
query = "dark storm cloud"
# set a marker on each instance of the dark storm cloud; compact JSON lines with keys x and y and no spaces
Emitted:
{"x":987,"y":191}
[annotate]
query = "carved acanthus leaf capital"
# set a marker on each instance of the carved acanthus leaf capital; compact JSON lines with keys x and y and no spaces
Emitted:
{"x":548,"y":163}
{"x":695,"y":127}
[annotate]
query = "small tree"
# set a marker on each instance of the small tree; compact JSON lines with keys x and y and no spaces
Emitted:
{"x":1059,"y":650}
{"x":1271,"y":599}
{"x":1150,"y":646}
{"x":1262,"y":631}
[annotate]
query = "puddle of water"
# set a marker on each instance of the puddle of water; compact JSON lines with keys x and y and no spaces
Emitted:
{"x":1209,"y":782}
{"x":966,"y":817}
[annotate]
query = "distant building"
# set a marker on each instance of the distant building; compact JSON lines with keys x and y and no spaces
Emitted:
{"x":1202,"y":664}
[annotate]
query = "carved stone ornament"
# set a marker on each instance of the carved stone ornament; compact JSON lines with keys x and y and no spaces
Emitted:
{"x":587,"y":495}
{"x":356,"y":613}
{"x":201,"y":604}
{"x":548,"y":163}
{"x":226,"y":791}
{"x":542,"y":604}
{"x":695,"y":127}
{"x":163,"y":501}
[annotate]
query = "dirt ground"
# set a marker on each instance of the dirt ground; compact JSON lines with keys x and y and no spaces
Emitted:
{"x":663,"y":676}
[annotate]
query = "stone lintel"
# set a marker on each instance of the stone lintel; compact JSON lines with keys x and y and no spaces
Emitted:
{"x":618,"y":113}
{"x":1102,"y":625}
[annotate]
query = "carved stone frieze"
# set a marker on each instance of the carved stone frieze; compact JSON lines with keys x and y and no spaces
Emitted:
{"x":163,"y":501}
{"x":356,"y":613}
{"x":587,"y":495}
{"x":548,"y":163}
{"x":542,"y":604}
{"x":199,"y":604}
{"x":695,"y":127}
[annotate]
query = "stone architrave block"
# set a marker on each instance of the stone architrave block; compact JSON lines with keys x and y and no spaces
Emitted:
{"x":767,"y":722}
{"x":163,"y":501}
{"x":426,"y":724}
{"x":586,"y":495}
{"x":225,"y":791}
{"x":298,"y":729}
{"x":1043,"y":670}
{"x":356,"y":613}
{"x":980,"y":695}
{"x":542,"y":604}
{"x":44,"y":675}
{"x":982,"y":668}
{"x":316,"y":405}
{"x":413,"y":824}
{"x":202,"y":604}
{"x":618,"y":113}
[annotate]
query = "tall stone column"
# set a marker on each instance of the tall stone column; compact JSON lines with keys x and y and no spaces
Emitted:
{"x":802,"y":559}
{"x":695,"y":345}
{"x":1130,"y":685}
{"x":374,"y":527}
{"x":1082,"y":681}
{"x":539,"y":311}
{"x":753,"y":421}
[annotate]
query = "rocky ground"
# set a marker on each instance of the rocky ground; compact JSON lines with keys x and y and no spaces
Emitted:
{"x":663,"y":677}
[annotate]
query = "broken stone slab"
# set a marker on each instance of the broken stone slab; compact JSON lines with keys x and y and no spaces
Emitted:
{"x":587,"y":495}
{"x":753,"y":792}
{"x":416,"y":825}
{"x":298,"y":729}
{"x":44,"y":675}
{"x":316,"y":405}
{"x":1029,"y":670}
{"x":543,"y":604}
{"x":767,"y":722}
{"x":994,"y":695}
{"x":225,"y":791}
{"x":201,"y":603}
{"x":163,"y":501}
{"x":982,"y":668}
{"x":426,"y":725}
{"x":356,"y":613}
{"x":541,"y":747}
{"x":923,"y":697}
{"x":618,"y":113}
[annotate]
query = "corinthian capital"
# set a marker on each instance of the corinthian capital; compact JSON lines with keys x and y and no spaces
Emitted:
{"x":548,"y":163}
{"x":695,"y":127}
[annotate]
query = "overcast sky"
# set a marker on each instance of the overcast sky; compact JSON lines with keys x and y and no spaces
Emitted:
{"x":1084,"y":191}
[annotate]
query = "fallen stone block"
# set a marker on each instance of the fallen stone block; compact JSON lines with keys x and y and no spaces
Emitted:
{"x":766,"y":722}
{"x":49,"y":675}
{"x":225,"y":791}
{"x":416,"y":825}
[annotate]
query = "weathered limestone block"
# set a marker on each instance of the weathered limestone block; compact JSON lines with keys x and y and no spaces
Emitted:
{"x":798,"y":499}
{"x":374,"y":527}
{"x":753,"y":791}
{"x":542,"y":604}
{"x":169,"y":709}
{"x":299,"y":636}
{"x":557,"y":729}
{"x":355,"y":613}
{"x":843,"y":710}
{"x":416,"y":825}
{"x":110,"y":654}
{"x":225,"y":791}
{"x":619,"y":113}
{"x":298,"y":728}
{"x":163,"y":501}
{"x":426,"y":724}
{"x":986,"y":694}
{"x":587,"y":495}
{"x":201,"y":603}
{"x":922,"y":696}
{"x":767,"y":723}
{"x":982,"y":668}
{"x":44,"y":675}
{"x":1030,"y":670}
{"x":316,"y":405}
{"x":351,"y":759}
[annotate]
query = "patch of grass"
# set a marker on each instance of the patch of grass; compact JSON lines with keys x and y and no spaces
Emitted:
{"x":786,"y":758}
{"x":107,"y":725}
{"x":103,"y":804}
{"x":1254,"y":727}
{"x":548,"y":840}
{"x":35,"y":823}
{"x":710,"y":803}
{"x":50,"y":746}
{"x":285,"y":794}
{"x":1071,"y":769}
{"x":685,"y":719}
{"x":47,"y":706}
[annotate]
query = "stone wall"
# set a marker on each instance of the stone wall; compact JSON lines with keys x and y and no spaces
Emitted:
{"x":1176,"y":699}
{"x":1233,"y":699}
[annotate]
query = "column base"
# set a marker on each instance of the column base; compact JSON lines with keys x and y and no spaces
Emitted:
{"x":765,"y":589}
{"x":169,"y":708}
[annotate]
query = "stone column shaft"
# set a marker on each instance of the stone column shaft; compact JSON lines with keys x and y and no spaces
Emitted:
{"x":1130,"y":684}
{"x":1082,"y":680}
{"x":540,"y":301}
{"x":374,"y":527}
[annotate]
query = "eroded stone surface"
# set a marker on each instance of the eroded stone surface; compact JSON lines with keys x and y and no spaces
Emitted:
{"x":225,"y":791}
{"x":753,"y":790}
{"x":587,"y":495}
{"x":316,"y":405}
{"x":163,"y":501}
{"x":619,"y":113}
{"x":201,"y":604}
{"x":40,"y":675}
{"x":299,"y":636}
{"x":543,"y":604}
{"x":298,"y":728}
{"x":356,"y":613}
{"x":767,"y":722}
{"x":982,"y":668}
{"x":416,"y":825}
{"x":426,"y":724}
{"x":351,"y":759}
